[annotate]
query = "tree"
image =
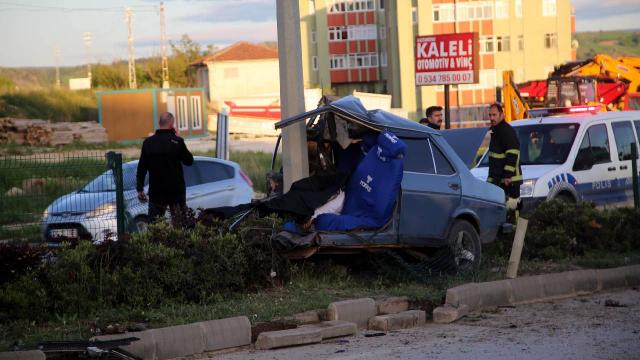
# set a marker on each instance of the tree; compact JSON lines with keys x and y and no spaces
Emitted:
{"x":185,"y":52}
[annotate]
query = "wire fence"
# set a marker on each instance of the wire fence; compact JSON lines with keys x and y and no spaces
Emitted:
{"x":55,"y":197}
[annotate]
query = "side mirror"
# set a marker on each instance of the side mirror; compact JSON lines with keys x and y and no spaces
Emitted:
{"x":584,"y":160}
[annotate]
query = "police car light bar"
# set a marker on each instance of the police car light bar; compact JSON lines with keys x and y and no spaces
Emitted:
{"x":534,"y":113}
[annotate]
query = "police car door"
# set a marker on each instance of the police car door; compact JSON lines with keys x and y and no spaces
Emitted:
{"x":624,"y":135}
{"x":593,"y":167}
{"x":430,"y":194}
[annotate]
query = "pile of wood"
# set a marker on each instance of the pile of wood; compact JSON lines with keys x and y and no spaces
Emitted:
{"x":44,"y":133}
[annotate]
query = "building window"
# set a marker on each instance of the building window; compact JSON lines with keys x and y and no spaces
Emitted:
{"x":519,"y":8}
{"x":548,"y":7}
{"x":502,"y":9}
{"x":477,"y":10}
{"x":313,"y":37}
{"x":551,"y":41}
{"x":312,"y":7}
{"x":503,"y":43}
{"x":487,"y":44}
{"x":362,"y":32}
{"x":520,"y":42}
{"x":443,"y":13}
{"x":338,"y":6}
{"x":337,"y":62}
{"x":414,"y":15}
{"x":357,"y":61}
{"x":383,"y":59}
{"x":337,"y":33}
{"x":314,"y":63}
{"x":381,"y":4}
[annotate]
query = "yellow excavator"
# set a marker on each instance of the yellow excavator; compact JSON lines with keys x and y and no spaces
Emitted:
{"x":602,"y":81}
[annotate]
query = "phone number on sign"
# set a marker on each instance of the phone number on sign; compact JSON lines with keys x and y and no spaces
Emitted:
{"x":444,"y":78}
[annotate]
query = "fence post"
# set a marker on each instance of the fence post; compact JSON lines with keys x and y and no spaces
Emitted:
{"x":222,"y":136}
{"x":114,"y":162}
{"x":634,"y":175}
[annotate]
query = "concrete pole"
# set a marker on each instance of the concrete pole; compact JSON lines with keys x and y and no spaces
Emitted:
{"x":295,"y":161}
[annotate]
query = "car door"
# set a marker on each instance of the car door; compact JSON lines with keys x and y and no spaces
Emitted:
{"x":191,"y":181}
{"x":624,"y":136}
{"x":593,"y":167}
{"x":216,"y":187}
{"x":430,"y":194}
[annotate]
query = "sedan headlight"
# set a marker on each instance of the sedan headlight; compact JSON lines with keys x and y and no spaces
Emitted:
{"x":526,"y":189}
{"x":102,"y":210}
{"x":45,"y":214}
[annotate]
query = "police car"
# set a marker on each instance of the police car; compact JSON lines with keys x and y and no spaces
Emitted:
{"x":577,"y":154}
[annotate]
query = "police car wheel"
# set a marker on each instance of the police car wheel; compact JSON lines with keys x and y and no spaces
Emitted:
{"x":464,"y":247}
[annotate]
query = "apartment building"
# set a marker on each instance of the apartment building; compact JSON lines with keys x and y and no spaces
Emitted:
{"x":368,"y":45}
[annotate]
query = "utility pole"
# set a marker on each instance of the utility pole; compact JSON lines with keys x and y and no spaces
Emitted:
{"x":295,"y":161}
{"x":163,"y":49}
{"x":56,"y":57}
{"x":87,"y":42}
{"x":128,"y":13}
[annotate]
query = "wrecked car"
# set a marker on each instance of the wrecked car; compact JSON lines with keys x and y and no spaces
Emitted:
{"x":436,"y":204}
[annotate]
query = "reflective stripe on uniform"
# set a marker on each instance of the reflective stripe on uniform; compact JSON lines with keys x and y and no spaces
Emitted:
{"x":497,"y":155}
{"x":516,"y":178}
{"x":513,"y":151}
{"x":509,"y":168}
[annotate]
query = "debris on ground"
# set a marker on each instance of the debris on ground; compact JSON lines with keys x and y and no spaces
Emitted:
{"x":613,"y":303}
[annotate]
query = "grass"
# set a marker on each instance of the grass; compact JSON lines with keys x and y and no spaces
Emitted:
{"x":614,"y":43}
{"x":313,"y":285}
{"x":17,"y":149}
{"x":50,"y":104}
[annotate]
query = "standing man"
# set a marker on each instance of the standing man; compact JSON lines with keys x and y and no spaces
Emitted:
{"x":504,"y":155}
{"x":163,"y":155}
{"x":434,"y":117}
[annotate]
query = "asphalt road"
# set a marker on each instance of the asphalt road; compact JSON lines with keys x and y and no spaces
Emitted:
{"x":602,"y":326}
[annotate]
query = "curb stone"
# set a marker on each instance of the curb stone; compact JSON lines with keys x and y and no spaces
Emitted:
{"x":473,"y":296}
{"x":392,"y":305}
{"x":23,"y":355}
{"x":283,"y":338}
{"x":355,"y":310}
{"x":402,"y":320}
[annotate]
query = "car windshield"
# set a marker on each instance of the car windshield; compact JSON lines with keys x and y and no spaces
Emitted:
{"x":543,"y":144}
{"x":105,"y":181}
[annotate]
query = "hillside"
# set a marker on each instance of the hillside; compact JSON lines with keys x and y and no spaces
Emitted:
{"x":614,"y":43}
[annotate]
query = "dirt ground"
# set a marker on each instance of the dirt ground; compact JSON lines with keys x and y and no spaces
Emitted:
{"x":601,"y":326}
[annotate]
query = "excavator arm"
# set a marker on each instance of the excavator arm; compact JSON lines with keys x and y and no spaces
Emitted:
{"x":515,"y":107}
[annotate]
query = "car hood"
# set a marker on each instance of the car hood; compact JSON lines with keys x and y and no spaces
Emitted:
{"x":528,"y":171}
{"x":465,"y":142}
{"x":81,"y":202}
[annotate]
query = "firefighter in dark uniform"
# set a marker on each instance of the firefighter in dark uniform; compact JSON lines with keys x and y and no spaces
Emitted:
{"x":504,"y":156}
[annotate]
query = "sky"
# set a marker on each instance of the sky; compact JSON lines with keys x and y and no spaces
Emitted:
{"x":33,"y":28}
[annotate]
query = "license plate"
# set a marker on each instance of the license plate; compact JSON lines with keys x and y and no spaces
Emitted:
{"x":67,"y":233}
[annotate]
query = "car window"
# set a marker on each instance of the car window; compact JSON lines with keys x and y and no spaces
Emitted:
{"x":623,"y":134}
{"x":599,"y":141}
{"x":443,"y":166}
{"x":637,"y":125}
{"x":212,"y":171}
{"x":191,"y":177}
{"x":419,"y":157}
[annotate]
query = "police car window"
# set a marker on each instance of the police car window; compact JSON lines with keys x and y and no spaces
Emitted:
{"x":623,"y":133}
{"x":419,"y":157}
{"x":443,"y":167}
{"x":211,"y":171}
{"x":191,"y":177}
{"x":637,"y":125}
{"x":545,"y":143}
{"x":599,"y":144}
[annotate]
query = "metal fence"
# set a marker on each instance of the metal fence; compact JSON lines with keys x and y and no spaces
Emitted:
{"x":55,"y":197}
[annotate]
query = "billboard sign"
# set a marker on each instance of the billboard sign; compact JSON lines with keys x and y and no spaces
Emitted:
{"x":447,"y":59}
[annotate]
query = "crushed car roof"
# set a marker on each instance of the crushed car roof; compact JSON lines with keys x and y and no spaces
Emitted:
{"x":351,"y":109}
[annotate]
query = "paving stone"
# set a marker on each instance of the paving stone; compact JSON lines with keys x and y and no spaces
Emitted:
{"x":403,"y":320}
{"x":356,"y":310}
{"x":283,"y":338}
{"x":22,"y":355}
{"x":226,"y":333}
{"x":334,"y":328}
{"x":392,"y":305}
{"x":447,"y":314}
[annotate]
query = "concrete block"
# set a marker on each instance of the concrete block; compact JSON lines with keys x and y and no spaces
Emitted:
{"x":144,"y":348}
{"x":226,"y":333}
{"x":403,"y":320}
{"x":632,"y":274}
{"x":611,"y":278}
{"x":176,"y":341}
{"x":22,"y":355}
{"x":447,"y":314}
{"x":334,"y":328}
{"x":494,"y":293}
{"x":357,"y":310}
{"x":283,"y":338}
{"x":557,"y":286}
{"x":468,"y":294}
{"x":307,"y":317}
{"x":584,"y":281}
{"x":526,"y":289}
{"x":392,"y":305}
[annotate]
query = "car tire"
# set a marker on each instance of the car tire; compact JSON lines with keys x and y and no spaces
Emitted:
{"x":141,"y":223}
{"x":464,"y":247}
{"x":565,"y":198}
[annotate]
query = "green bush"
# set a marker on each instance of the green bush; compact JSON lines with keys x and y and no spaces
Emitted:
{"x":51,"y":104}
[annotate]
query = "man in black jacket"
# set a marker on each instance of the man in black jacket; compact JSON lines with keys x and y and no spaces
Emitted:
{"x":163,"y":155}
{"x":434,"y":117}
{"x":504,"y":154}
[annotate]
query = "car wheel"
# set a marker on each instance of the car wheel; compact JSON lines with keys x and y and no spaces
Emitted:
{"x":141,"y":223}
{"x":565,"y":198}
{"x":464,"y":247}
